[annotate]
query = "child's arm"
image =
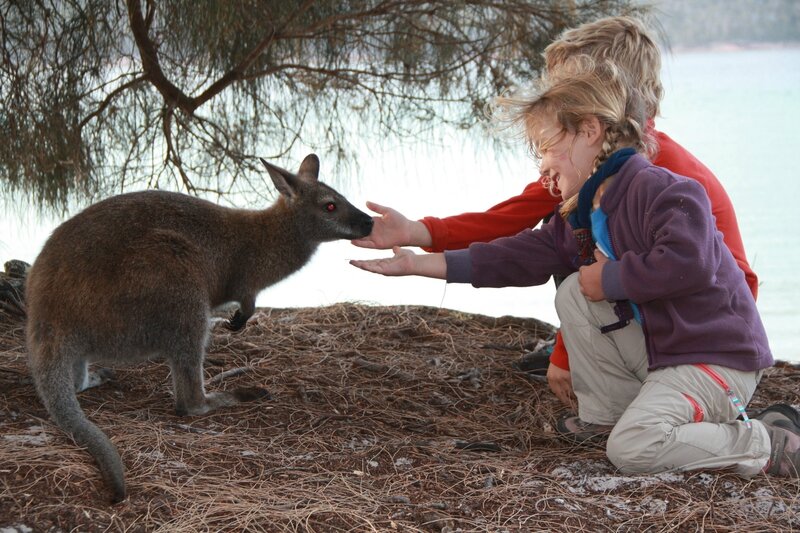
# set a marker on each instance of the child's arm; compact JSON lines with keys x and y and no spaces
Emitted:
{"x":509,"y":217}
{"x":526,"y":259}
{"x":457,"y":232}
{"x":406,"y":263}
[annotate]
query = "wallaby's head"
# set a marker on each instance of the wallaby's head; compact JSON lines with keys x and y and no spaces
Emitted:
{"x":326,"y":215}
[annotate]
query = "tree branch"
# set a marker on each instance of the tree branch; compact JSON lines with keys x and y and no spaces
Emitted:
{"x":152,"y":69}
{"x":172,"y":153}
{"x":108,"y":99}
{"x":171,"y":93}
{"x":237,"y":72}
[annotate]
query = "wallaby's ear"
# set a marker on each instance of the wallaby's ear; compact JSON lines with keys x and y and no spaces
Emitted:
{"x":284,"y":181}
{"x":309,"y":168}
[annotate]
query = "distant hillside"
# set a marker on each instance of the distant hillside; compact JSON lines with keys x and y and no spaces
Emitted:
{"x":690,"y":23}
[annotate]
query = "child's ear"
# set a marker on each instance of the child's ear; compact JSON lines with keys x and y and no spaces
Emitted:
{"x":595,"y":130}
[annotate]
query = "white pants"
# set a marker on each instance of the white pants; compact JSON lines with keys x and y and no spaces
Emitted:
{"x":655,"y":413}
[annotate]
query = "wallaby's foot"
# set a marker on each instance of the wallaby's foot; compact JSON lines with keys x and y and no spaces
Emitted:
{"x":250,"y":394}
{"x":215,"y":400}
{"x":236,"y":322}
{"x":95,"y":378}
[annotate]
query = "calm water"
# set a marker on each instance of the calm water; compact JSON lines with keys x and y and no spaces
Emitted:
{"x":737,"y":111}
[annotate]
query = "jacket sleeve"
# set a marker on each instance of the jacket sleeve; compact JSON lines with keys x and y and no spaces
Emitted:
{"x":679,"y":251}
{"x":526,"y":259}
{"x":523,"y":211}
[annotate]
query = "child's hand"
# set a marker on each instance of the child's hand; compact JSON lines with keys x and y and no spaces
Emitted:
{"x":591,"y":278}
{"x":391,"y":228}
{"x":402,"y":264}
{"x":560,"y":382}
{"x":406,"y":263}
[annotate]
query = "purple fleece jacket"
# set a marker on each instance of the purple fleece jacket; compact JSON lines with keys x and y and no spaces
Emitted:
{"x":695,"y":304}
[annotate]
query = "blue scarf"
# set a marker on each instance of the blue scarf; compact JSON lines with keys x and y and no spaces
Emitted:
{"x":581,"y":219}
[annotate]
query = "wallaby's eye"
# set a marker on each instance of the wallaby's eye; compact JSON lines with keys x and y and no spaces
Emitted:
{"x":330,"y":207}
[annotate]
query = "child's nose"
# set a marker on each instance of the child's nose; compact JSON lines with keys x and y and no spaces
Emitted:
{"x":544,"y":166}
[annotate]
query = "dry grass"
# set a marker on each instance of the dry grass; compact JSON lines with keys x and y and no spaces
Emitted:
{"x":372,"y":411}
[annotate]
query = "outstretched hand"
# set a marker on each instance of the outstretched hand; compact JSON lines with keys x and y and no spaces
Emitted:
{"x":401,"y":264}
{"x":406,"y":263}
{"x":392,"y":228}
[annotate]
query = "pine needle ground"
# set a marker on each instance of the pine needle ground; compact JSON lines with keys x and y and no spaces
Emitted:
{"x":382,"y":419}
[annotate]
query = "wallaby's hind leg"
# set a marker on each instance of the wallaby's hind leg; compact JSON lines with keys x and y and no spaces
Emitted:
{"x":190,"y":395}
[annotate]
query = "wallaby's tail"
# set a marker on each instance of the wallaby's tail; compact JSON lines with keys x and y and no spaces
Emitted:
{"x":56,"y":389}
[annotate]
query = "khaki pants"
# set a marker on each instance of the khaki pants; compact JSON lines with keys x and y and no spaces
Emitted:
{"x":654,"y":413}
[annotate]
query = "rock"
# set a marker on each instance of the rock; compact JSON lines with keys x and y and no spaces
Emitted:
{"x":17,"y":269}
{"x":12,"y":287}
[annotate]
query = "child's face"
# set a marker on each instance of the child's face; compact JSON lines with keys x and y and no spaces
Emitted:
{"x":567,"y":158}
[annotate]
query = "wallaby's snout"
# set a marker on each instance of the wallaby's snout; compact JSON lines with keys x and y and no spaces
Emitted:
{"x":362,"y":224}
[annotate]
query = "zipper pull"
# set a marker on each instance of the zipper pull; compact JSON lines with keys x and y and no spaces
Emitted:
{"x":737,"y":403}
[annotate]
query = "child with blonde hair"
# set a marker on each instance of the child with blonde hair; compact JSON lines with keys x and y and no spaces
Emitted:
{"x":627,"y":42}
{"x":663,"y":332}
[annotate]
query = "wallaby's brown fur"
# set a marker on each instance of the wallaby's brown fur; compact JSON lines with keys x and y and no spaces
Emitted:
{"x":136,"y":276}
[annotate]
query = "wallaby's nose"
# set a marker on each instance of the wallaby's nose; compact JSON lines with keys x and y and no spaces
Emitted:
{"x":365,"y":224}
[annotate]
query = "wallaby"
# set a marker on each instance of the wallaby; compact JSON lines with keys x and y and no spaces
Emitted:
{"x":136,"y":277}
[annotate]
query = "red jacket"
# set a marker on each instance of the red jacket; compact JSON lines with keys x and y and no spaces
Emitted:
{"x":527,"y":209}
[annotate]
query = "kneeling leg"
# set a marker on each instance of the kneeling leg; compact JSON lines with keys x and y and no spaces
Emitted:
{"x":190,"y":395}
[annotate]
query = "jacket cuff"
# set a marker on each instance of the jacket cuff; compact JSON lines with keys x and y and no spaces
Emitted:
{"x":459,"y":266}
{"x":612,"y":281}
{"x":559,"y":356}
{"x":439,"y":234}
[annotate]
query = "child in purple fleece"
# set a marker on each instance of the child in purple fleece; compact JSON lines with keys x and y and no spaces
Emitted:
{"x":666,"y":345}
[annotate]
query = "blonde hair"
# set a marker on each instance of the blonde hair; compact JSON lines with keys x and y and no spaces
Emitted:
{"x":583,"y":88}
{"x":625,"y":41}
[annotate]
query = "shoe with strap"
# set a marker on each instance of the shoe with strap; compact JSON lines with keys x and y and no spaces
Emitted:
{"x":536,"y":361}
{"x":784,"y":457}
{"x":576,"y":431}
{"x":779,"y":412}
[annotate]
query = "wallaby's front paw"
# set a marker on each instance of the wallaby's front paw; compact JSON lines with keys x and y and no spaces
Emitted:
{"x":249,"y":394}
{"x":96,"y":377}
{"x":236,"y":322}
